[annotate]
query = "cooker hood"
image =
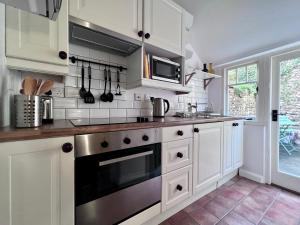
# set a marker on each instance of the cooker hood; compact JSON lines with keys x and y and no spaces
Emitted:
{"x":93,"y":36}
{"x":46,"y":8}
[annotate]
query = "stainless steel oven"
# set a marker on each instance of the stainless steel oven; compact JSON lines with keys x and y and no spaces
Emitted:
{"x":117,"y":175}
{"x":165,"y":70}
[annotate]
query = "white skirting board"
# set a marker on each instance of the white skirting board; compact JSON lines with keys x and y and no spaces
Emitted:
{"x":227,"y":177}
{"x":251,"y":176}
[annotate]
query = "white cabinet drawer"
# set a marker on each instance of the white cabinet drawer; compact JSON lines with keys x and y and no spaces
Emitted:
{"x":176,"y":154}
{"x":177,"y":133}
{"x":176,"y":187}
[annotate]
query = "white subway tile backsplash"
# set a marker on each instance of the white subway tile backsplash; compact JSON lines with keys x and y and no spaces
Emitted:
{"x":59,"y":114}
{"x":77,"y":113}
{"x":65,"y":102}
{"x":69,"y":105}
{"x":117,"y":113}
{"x":99,"y":113}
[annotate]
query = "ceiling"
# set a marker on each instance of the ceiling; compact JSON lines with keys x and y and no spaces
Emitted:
{"x":225,"y":30}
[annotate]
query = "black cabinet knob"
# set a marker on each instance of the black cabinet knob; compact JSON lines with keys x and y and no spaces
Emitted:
{"x":141,"y":33}
{"x":179,"y":187}
{"x":196,"y":130}
{"x":127,"y":141}
{"x":234,"y":124}
{"x":147,"y":35}
{"x":104,"y":144}
{"x":63,"y":55}
{"x":180,"y":133}
{"x":67,"y":147}
{"x":145,"y":138}
{"x":179,"y":155}
{"x":237,"y":124}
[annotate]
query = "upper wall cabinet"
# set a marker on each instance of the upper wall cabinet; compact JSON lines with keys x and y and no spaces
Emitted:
{"x":163,"y":25}
{"x":37,"y":44}
{"x":124,"y":17}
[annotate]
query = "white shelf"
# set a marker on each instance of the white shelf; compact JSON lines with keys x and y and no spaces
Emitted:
{"x":179,"y":88}
{"x":206,"y":75}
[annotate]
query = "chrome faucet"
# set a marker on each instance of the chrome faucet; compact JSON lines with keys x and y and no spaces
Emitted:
{"x":190,"y":107}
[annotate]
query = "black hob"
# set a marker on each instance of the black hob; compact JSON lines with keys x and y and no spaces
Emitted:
{"x":109,"y":121}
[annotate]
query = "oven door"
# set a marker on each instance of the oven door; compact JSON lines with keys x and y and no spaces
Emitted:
{"x":111,"y":187}
{"x":165,"y":71}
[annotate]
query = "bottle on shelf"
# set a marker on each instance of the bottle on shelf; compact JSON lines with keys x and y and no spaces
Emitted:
{"x":205,"y":68}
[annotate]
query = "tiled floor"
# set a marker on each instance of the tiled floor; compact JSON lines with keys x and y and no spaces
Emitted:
{"x":241,"y":202}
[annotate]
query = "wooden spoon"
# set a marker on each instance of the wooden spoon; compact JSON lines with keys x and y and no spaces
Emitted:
{"x":38,"y":87}
{"x":45,"y":87}
{"x":29,"y":86}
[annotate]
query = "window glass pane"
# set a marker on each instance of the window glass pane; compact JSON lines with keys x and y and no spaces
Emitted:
{"x":232,"y":76}
{"x":252,"y":73}
{"x":242,"y":100}
{"x":241,"y":75}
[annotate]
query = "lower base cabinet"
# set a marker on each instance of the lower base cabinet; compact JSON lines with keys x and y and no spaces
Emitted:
{"x":37,"y":182}
{"x":207,"y":155}
{"x":176,"y":187}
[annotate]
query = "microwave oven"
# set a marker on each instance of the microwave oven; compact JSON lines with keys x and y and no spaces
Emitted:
{"x":165,"y":70}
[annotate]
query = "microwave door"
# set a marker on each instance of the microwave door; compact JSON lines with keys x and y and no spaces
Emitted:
{"x":165,"y":72}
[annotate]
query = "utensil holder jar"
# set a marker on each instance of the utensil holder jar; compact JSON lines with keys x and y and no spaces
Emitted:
{"x":28,"y":110}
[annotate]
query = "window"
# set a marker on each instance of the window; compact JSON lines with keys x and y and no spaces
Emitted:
{"x":242,"y":90}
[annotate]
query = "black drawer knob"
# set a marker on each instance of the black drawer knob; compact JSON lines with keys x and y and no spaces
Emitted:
{"x":141,"y":33}
{"x":104,"y":144}
{"x":63,"y":55}
{"x":196,"y":130}
{"x":179,"y":187}
{"x":127,"y":141}
{"x":180,"y":133}
{"x":145,"y":138}
{"x":67,"y":147}
{"x":179,"y":155}
{"x":147,"y":35}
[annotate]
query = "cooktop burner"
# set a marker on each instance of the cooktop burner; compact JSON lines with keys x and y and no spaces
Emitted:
{"x":108,"y":121}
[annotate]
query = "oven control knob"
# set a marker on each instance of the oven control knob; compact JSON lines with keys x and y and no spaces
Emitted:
{"x":104,"y":144}
{"x":127,"y":141}
{"x":179,"y":187}
{"x":145,"y":138}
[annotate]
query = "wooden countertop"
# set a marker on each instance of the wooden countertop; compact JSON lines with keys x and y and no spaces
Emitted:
{"x":65,"y":128}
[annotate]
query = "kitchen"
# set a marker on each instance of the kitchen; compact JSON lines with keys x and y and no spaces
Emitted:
{"x":151,"y":108}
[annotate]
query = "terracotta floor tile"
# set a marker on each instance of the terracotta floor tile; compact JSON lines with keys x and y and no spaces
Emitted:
{"x":252,"y":215}
{"x":236,"y":178}
{"x":281,"y":217}
{"x":266,"y":221}
{"x":248,"y":183}
{"x":235,"y":219}
{"x":244,"y":189}
{"x":231,"y":193}
{"x":289,"y":208}
{"x":254,"y":204}
{"x":268,"y":190}
{"x":217,"y":209}
{"x":226,"y":201}
{"x":203,"y":217}
{"x":181,"y":215}
{"x":262,"y":198}
{"x":289,"y":197}
{"x":213,"y":193}
{"x":197,"y":204}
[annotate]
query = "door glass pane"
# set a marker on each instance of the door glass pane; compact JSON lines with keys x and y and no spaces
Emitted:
{"x":241,"y":75}
{"x":289,"y":123}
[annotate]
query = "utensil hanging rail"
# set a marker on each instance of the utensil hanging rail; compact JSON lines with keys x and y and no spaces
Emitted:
{"x":73,"y":59}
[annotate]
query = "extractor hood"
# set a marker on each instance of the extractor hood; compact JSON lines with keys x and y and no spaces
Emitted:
{"x":46,"y":8}
{"x":93,"y":36}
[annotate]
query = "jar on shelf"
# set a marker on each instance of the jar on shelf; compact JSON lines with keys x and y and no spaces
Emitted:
{"x":210,"y":68}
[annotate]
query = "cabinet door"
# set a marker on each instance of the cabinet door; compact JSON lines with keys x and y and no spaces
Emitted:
{"x":228,"y":147}
{"x":124,"y":17}
{"x":33,"y":42}
{"x":208,"y":145}
{"x":163,"y":21}
{"x":237,"y":140}
{"x":37,"y":183}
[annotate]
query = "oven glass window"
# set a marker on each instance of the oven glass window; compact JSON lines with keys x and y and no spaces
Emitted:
{"x":165,"y":70}
{"x":102,"y":174}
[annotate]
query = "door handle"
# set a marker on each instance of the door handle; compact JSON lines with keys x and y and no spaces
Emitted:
{"x":275,"y":115}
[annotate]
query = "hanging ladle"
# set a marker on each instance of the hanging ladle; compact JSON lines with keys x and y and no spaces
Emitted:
{"x":103,"y":97}
{"x":110,"y":96}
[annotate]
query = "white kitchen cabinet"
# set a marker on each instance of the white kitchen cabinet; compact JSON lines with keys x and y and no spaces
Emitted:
{"x":124,"y":17}
{"x":34,"y":43}
{"x":163,"y":22}
{"x":37,"y":182}
{"x":208,"y":147}
{"x":176,"y":187}
{"x":233,"y":146}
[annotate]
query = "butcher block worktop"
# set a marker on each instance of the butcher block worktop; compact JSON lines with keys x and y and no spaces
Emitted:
{"x":65,"y":128}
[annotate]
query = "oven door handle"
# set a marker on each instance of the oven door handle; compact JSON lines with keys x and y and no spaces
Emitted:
{"x":111,"y":161}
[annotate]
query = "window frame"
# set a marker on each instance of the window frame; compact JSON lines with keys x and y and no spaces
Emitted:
{"x":227,"y":85}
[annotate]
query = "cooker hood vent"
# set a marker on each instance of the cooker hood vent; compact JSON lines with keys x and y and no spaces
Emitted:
{"x":99,"y":40}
